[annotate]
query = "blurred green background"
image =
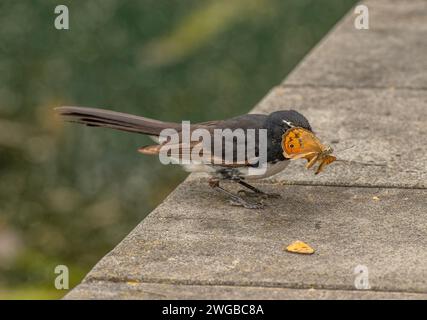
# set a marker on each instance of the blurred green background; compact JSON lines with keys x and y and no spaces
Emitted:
{"x":68,"y":193}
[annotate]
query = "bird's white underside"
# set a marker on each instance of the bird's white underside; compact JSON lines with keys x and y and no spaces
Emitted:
{"x":272,"y":169}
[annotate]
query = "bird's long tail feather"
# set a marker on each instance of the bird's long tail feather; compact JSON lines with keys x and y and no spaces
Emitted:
{"x":116,"y":120}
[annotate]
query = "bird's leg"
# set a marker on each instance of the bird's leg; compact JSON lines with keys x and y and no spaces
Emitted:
{"x":234,"y":199}
{"x":256,"y":191}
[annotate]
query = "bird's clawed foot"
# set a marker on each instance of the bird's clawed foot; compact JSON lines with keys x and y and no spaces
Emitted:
{"x":261,"y":194}
{"x":246,"y":204}
{"x":235,"y":200}
{"x":255,"y":192}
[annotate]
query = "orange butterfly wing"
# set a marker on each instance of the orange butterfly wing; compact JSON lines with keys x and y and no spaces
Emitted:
{"x":326,"y":160}
{"x":300,"y":143}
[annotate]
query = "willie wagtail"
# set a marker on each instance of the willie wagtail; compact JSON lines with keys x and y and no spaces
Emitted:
{"x":274,"y":124}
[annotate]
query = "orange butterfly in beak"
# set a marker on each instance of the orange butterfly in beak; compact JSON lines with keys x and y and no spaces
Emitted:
{"x":300,"y":143}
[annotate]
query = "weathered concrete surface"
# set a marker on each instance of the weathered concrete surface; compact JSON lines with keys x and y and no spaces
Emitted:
{"x":156,"y":291}
{"x":182,"y":243}
{"x":366,"y":89}
{"x":392,"y":53}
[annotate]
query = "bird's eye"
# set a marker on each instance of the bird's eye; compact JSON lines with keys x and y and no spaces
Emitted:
{"x":291,"y":145}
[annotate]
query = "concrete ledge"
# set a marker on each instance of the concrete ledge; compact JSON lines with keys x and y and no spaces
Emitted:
{"x":363,"y":88}
{"x":156,"y":291}
{"x":182,"y":243}
{"x":390,"y":54}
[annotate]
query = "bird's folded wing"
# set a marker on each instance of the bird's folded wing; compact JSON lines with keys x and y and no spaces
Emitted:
{"x":197,"y":153}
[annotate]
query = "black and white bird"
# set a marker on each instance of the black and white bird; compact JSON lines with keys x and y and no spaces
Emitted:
{"x":275,"y":125}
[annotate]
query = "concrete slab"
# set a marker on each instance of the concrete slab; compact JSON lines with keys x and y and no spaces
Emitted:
{"x":392,"y":53}
{"x":182,"y":243}
{"x":155,"y":291}
{"x":396,"y":15}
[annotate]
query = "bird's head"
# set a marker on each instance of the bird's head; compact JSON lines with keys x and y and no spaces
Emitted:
{"x":285,"y":119}
{"x":277,"y":123}
{"x":289,"y":118}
